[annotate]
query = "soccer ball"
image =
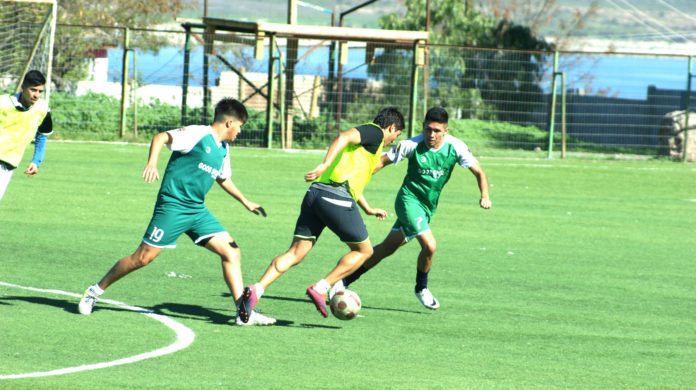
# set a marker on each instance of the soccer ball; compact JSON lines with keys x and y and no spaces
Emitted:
{"x":345,"y":305}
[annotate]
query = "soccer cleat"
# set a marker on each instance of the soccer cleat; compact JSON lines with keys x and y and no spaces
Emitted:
{"x":246,"y":306}
{"x":87,"y":302}
{"x":319,"y":300}
{"x":427,"y":299}
{"x":338,"y":287}
{"x":256,"y":319}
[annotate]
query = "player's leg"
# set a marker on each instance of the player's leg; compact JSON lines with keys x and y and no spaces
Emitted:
{"x":386,"y":248}
{"x":279,"y":265}
{"x":414,"y":219}
{"x":307,"y":229}
{"x":343,"y":218}
{"x":349,"y":263}
{"x":425,"y":261}
{"x":231,"y":260}
{"x":298,"y":250}
{"x":5,"y":176}
{"x":166,"y":225}
{"x":140,"y":258}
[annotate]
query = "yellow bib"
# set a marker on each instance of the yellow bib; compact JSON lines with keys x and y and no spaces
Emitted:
{"x":353,"y":168}
{"x":18,"y":128}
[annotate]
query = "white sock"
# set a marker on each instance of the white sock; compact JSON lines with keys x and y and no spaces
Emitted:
{"x":322,"y":286}
{"x":259,"y":290}
{"x":97,"y":290}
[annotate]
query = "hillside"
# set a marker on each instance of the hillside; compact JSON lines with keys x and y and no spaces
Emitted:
{"x":614,"y":20}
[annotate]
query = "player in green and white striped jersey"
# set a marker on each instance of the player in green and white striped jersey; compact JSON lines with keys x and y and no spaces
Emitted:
{"x":431,"y":159}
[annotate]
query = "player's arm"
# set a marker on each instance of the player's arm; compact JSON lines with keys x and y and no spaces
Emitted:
{"x":351,"y":136}
{"x":379,"y":213}
{"x":229,"y":187}
{"x":42,"y":133}
{"x":383,"y":162}
{"x":150,"y":172}
{"x":39,"y":153}
{"x":482,"y":180}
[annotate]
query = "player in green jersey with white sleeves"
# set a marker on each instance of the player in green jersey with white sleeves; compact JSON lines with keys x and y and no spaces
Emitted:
{"x":431,"y":159}
{"x":200,"y":157}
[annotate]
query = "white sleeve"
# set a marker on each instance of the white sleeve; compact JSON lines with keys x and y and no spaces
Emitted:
{"x":185,"y":138}
{"x":226,"y":170}
{"x":464,"y":156}
{"x":403,"y":149}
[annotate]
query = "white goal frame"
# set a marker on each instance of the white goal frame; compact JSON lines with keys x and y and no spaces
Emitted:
{"x":52,"y":14}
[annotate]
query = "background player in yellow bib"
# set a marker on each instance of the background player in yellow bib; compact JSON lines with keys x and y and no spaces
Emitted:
{"x":23,"y":117}
{"x":431,"y":159}
{"x":338,"y":183}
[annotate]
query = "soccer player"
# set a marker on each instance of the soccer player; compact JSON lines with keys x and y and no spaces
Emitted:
{"x":338,"y":183}
{"x":200,"y":157}
{"x":431,"y":159}
{"x":22,"y":117}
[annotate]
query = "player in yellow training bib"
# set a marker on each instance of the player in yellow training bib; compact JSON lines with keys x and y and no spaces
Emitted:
{"x":337,"y":184}
{"x":23,"y":117}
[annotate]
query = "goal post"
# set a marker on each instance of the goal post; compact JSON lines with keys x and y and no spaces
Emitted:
{"x":27,"y":35}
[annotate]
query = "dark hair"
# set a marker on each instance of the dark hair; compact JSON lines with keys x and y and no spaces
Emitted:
{"x":436,"y":114}
{"x":230,"y":108}
{"x":389,"y":116}
{"x":33,"y":78}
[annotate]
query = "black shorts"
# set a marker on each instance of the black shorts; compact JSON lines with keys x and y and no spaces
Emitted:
{"x":322,"y":208}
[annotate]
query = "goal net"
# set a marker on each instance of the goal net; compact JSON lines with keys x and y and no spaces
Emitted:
{"x":27,"y":31}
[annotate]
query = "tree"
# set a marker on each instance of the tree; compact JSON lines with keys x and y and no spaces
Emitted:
{"x":74,"y":42}
{"x":472,"y":79}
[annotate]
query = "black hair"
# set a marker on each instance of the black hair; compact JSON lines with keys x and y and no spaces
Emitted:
{"x":230,"y":108}
{"x":33,"y":78}
{"x":389,"y":116}
{"x":436,"y":114}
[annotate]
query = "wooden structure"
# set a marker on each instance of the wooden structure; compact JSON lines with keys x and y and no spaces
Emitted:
{"x":219,"y":29}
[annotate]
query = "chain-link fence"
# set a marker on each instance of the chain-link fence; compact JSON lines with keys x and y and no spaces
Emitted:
{"x":498,"y":100}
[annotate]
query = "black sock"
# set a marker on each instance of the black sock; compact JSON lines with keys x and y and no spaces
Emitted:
{"x":354,"y":276}
{"x":421,"y":280}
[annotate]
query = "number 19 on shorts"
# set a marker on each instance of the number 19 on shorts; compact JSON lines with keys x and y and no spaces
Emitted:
{"x":156,"y":234}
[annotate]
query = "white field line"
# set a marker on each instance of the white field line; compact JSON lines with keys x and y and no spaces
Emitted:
{"x":184,"y":338}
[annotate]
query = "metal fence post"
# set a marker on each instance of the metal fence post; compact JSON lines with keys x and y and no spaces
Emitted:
{"x":269,"y":102}
{"x":185,"y":81}
{"x":687,"y":111}
{"x":418,"y":60}
{"x":552,"y":123}
{"x":124,"y":81}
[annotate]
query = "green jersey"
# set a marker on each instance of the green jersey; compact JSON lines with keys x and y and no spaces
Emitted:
{"x":197,"y":160}
{"x":429,"y":169}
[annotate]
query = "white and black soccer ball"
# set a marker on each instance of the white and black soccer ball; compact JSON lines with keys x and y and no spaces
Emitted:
{"x":345,"y":305}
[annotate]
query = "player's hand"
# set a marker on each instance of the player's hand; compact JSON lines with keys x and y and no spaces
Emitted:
{"x":150,"y":173}
{"x":315,"y":173}
{"x":32,"y":170}
{"x":485,"y":203}
{"x":256,"y":209}
{"x":379,"y":213}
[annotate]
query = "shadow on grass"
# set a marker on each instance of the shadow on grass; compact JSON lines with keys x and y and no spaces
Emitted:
{"x":192,"y":312}
{"x":181,"y":311}
{"x":364,"y":306}
{"x":68,"y":305}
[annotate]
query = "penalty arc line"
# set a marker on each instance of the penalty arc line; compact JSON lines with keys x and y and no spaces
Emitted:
{"x":184,"y":338}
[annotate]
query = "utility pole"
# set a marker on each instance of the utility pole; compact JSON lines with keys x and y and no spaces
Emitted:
{"x":292,"y":45}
